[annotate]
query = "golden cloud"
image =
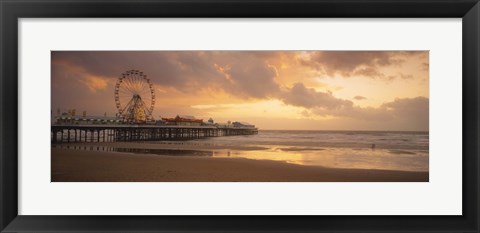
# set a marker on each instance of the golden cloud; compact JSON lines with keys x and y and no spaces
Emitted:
{"x":94,"y":83}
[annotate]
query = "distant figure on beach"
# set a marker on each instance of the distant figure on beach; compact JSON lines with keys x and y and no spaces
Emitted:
{"x":373,"y":146}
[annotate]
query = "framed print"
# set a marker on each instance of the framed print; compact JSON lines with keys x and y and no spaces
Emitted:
{"x":315,"y":116}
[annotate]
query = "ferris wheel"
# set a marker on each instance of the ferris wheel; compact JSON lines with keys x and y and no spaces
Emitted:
{"x":134,"y":97}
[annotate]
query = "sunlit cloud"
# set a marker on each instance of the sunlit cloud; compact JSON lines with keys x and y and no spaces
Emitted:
{"x":95,"y":84}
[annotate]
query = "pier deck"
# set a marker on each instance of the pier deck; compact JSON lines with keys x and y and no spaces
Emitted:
{"x":115,"y":133}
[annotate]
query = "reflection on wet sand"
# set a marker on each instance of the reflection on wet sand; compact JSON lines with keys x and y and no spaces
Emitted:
{"x":326,"y":157}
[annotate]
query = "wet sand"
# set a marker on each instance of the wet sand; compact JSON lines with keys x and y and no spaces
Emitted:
{"x":98,"y":166}
{"x":174,"y":145}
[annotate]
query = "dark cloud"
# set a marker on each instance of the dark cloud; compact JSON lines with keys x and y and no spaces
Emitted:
{"x":364,"y":63}
{"x":405,"y":76}
{"x":69,"y":91}
{"x":371,"y":72}
{"x":358,"y":97}
{"x":411,"y":112}
{"x":301,"y":96}
{"x":414,"y":110}
{"x":247,"y":74}
{"x":175,"y":69}
{"x":408,"y":108}
{"x":325,"y":104}
{"x":425,"y":66}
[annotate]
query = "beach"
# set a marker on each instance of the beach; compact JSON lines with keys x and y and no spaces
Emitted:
{"x":399,"y":151}
{"x":102,"y":165}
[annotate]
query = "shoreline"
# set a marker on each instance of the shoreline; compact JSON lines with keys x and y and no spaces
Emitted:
{"x":173,"y":145}
{"x":69,"y":165}
{"x":192,"y":145}
{"x":331,"y":157}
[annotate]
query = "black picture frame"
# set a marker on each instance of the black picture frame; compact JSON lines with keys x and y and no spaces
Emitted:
{"x":11,"y":11}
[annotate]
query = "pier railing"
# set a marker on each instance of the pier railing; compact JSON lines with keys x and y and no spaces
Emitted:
{"x":119,"y":133}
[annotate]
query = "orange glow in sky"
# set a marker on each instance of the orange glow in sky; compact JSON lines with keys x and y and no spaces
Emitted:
{"x":301,"y":90}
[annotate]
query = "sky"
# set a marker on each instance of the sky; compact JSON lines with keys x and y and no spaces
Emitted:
{"x":287,"y":90}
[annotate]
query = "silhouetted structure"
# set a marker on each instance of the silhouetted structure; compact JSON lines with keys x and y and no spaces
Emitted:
{"x":119,"y":133}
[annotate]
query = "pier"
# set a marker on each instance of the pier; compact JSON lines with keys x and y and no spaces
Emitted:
{"x":134,"y":120}
{"x":126,"y":133}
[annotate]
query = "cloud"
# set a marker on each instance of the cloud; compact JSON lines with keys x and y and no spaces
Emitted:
{"x":371,"y":72}
{"x":405,"y":76}
{"x":357,"y":63}
{"x":358,"y":97}
{"x":95,"y":83}
{"x":413,"y":110}
{"x":187,"y":71}
{"x":326,"y":104}
{"x":299,"y":95}
{"x":249,"y":76}
{"x":77,"y":90}
{"x":417,"y":107}
{"x":410,"y":112}
{"x":425,"y":66}
{"x":166,"y":68}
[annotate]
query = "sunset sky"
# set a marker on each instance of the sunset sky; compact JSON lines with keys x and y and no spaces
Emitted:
{"x":303,"y":90}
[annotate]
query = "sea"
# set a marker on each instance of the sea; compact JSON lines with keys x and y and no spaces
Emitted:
{"x":385,"y":150}
{"x":389,"y":150}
